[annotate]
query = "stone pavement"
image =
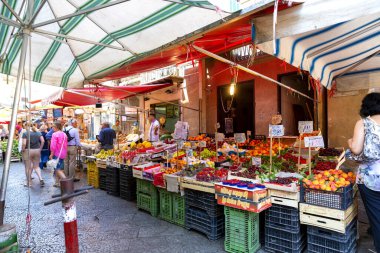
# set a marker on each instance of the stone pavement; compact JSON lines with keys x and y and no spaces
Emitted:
{"x":105,"y":223}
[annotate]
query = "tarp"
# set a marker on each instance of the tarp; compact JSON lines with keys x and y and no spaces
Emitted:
{"x":102,"y":94}
{"x":72,"y":41}
{"x":342,"y":51}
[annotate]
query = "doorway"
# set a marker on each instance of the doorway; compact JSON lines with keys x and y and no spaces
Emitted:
{"x":169,"y":112}
{"x":238,"y":117}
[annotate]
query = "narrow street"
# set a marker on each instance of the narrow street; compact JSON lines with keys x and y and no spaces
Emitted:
{"x":105,"y":223}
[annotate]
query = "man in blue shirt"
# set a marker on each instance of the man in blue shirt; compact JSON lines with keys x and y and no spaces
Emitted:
{"x":106,"y":136}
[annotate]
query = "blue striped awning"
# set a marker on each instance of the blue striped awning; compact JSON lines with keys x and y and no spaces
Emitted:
{"x":346,"y":49}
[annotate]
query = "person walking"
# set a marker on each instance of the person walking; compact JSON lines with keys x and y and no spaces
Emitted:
{"x":45,"y":149}
{"x":366,"y":143}
{"x":73,"y":145}
{"x":106,"y":136}
{"x":58,"y":148}
{"x":31,"y":154}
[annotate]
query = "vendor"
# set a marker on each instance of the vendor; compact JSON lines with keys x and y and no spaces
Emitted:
{"x":154,"y":128}
{"x":106,"y":136}
{"x":117,"y":127}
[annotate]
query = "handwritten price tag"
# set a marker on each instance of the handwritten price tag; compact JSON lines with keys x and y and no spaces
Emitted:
{"x":189,"y":152}
{"x":314,"y":142}
{"x":240,"y":137}
{"x":202,"y":144}
{"x":276,"y":130}
{"x":219,"y":137}
{"x":305,"y":127}
{"x":256,"y":161}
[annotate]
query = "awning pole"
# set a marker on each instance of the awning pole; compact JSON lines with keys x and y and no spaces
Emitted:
{"x":16,"y":99}
{"x":250,"y":71}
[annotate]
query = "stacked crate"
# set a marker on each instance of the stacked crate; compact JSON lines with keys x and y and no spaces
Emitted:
{"x":127,"y":183}
{"x":112,"y":178}
{"x":203,"y":214}
{"x":147,"y":197}
{"x":101,"y":166}
{"x":331,"y":219}
{"x":241,"y":231}
{"x":283,"y":231}
{"x":172,"y":207}
{"x":92,"y":174}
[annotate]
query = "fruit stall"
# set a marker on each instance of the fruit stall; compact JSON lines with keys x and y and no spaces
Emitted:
{"x":269,"y":194}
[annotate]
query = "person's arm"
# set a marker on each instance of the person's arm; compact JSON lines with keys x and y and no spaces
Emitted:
{"x":356,"y":143}
{"x":42,"y":142}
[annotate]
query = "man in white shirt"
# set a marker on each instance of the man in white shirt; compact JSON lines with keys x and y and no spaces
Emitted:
{"x":154,"y":128}
{"x":72,"y":149}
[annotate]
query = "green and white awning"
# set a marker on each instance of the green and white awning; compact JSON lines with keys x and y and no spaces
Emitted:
{"x":75,"y":40}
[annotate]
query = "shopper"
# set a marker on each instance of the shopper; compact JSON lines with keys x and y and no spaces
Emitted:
{"x":106,"y":136}
{"x":366,"y":142}
{"x":73,"y":144}
{"x":3,"y":133}
{"x":45,"y":153}
{"x":154,"y":128}
{"x":58,"y":148}
{"x":21,"y":131}
{"x":32,"y":155}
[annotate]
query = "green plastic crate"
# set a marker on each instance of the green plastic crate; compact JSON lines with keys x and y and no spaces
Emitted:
{"x":172,"y":207}
{"x":144,"y":186}
{"x":148,"y":203}
{"x":241,"y":231}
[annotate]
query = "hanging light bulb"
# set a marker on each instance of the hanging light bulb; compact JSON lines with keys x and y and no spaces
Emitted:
{"x":232,"y":88}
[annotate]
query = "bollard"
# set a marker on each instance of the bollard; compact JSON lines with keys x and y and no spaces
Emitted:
{"x":69,"y":212}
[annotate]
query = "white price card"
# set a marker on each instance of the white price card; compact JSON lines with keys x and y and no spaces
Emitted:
{"x":276,"y":130}
{"x":219,"y":137}
{"x":256,"y":161}
{"x":240,"y":137}
{"x":189,"y":152}
{"x":202,"y":144}
{"x":305,"y":127}
{"x":180,"y":144}
{"x":314,"y":142}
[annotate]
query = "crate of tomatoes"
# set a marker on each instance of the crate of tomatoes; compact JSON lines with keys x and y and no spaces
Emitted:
{"x":330,"y":188}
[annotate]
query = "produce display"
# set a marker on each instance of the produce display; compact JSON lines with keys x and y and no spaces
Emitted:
{"x":284,"y":180}
{"x":325,"y":165}
{"x":330,"y":180}
{"x":212,"y":175}
{"x":329,"y":152}
{"x":205,"y":154}
{"x":104,"y":154}
{"x":15,"y":152}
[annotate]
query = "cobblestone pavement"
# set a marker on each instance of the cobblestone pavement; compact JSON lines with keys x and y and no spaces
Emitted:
{"x":105,"y":223}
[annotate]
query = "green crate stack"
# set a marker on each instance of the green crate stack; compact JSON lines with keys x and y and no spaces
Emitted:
{"x":147,"y":197}
{"x":241,"y":231}
{"x":172,"y":207}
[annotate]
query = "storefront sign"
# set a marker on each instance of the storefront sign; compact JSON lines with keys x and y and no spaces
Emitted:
{"x":276,"y":130}
{"x":314,"y":142}
{"x":305,"y":127}
{"x":240,"y":137}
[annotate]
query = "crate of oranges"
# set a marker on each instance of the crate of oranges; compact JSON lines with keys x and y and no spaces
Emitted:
{"x":332,"y":188}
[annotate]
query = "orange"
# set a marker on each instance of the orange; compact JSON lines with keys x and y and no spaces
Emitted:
{"x":344,"y":175}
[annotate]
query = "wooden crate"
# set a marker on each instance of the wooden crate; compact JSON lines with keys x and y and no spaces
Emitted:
{"x":190,"y":183}
{"x":284,"y":201}
{"x":328,"y":218}
{"x":284,"y":198}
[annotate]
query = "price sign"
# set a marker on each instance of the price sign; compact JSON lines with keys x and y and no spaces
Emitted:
{"x":240,"y":137}
{"x":256,"y":161}
{"x":189,"y":152}
{"x":314,"y":142}
{"x":180,"y":144}
{"x":305,"y":127}
{"x":276,"y":130}
{"x":219,"y":137}
{"x":202,"y":144}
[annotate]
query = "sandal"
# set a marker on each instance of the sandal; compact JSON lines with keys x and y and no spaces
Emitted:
{"x":42,"y":183}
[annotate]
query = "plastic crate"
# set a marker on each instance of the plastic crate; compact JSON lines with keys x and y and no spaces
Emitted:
{"x":278,"y":248}
{"x":286,"y":234}
{"x":312,"y":248}
{"x":203,"y":200}
{"x":200,"y":220}
{"x":127,"y":189}
{"x":147,"y":187}
{"x":275,"y":221}
{"x":340,"y":199}
{"x":103,"y":179}
{"x":178,"y":209}
{"x":328,"y":234}
{"x":166,"y":205}
{"x":241,"y":231}
{"x":148,"y":203}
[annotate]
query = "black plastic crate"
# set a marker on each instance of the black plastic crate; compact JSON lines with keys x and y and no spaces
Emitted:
{"x":312,"y":248}
{"x":278,"y":248}
{"x":130,"y":196}
{"x":286,"y":210}
{"x":200,"y":220}
{"x":288,"y":235}
{"x":341,"y":199}
{"x":281,"y":223}
{"x":332,"y":244}
{"x":203,"y":200}
{"x":102,"y":179}
{"x":328,"y":234}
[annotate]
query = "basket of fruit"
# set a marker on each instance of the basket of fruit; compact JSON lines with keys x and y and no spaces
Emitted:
{"x":331,"y":154}
{"x":332,"y":188}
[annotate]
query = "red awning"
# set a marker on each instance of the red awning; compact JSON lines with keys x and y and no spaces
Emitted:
{"x":91,"y":96}
{"x":231,"y":34}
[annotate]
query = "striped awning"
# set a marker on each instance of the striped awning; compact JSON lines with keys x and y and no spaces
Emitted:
{"x":342,"y":51}
{"x":77,"y":40}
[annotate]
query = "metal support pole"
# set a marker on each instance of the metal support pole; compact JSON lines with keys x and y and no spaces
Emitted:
{"x":16,"y":99}
{"x":69,"y":217}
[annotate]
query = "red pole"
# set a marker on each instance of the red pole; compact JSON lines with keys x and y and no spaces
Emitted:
{"x":70,"y":217}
